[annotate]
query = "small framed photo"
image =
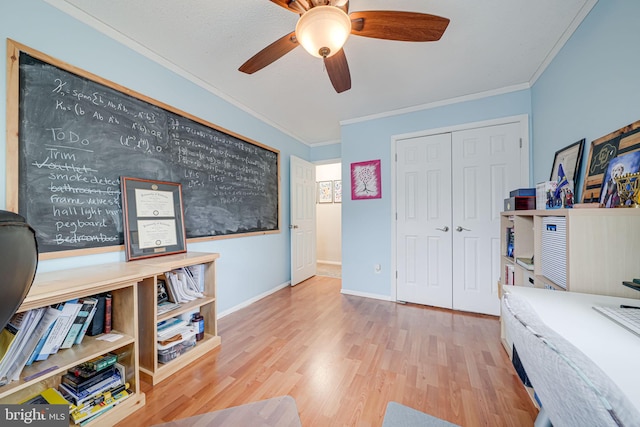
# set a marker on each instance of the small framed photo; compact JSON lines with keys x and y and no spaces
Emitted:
{"x":570,"y":158}
{"x":325,"y":191}
{"x":153,"y":218}
{"x":366,"y":180}
{"x":337,"y":191}
{"x":618,"y":167}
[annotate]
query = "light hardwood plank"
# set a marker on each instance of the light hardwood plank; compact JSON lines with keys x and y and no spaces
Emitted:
{"x":343,"y":358}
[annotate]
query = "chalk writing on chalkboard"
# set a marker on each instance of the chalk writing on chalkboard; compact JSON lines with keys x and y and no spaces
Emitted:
{"x":77,"y":134}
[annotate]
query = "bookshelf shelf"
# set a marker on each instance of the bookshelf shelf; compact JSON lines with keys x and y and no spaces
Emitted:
{"x":186,"y":307}
{"x":57,"y":364}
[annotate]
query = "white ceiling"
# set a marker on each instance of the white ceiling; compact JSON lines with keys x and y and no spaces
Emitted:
{"x":490,"y":46}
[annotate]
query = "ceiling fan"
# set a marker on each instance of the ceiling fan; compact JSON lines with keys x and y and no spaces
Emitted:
{"x":325,"y":25}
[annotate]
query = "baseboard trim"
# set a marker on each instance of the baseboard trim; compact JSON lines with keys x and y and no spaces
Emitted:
{"x":366,"y":295}
{"x":252,"y":300}
{"x":321,"y":261}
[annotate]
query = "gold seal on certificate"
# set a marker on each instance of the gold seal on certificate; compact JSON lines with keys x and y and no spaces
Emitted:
{"x":156,"y":232}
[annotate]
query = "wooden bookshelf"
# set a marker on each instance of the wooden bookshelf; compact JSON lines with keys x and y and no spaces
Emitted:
{"x":151,"y":370}
{"x":134,"y":316}
{"x":601,"y":250}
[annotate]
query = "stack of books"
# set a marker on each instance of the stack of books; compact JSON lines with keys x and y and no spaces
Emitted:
{"x":94,"y":387}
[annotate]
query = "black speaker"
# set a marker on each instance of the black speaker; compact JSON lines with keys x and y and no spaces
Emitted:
{"x":18,"y":262}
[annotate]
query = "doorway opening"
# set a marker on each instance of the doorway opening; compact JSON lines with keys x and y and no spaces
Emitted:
{"x":329,"y":219}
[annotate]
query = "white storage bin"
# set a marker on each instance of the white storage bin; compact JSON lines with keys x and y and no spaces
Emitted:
{"x":167,"y":353}
{"x":554,"y":249}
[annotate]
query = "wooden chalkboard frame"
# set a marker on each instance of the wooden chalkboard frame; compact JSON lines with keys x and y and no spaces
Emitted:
{"x":14,"y":50}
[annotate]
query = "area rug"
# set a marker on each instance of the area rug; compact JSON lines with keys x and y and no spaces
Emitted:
{"x":278,"y":411}
{"x":398,"y":415}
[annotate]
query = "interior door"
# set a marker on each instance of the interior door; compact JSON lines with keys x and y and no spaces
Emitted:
{"x":423,"y":231}
{"x":303,"y":220}
{"x":486,"y":166}
{"x":450,"y":192}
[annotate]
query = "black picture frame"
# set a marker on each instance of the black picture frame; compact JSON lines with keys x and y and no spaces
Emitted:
{"x":570,"y":157}
{"x":153,"y":217}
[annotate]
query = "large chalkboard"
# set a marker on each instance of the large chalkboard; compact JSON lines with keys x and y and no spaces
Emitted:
{"x":77,"y":134}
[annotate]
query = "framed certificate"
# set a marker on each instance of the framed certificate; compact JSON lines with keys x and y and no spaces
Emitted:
{"x":153,"y":218}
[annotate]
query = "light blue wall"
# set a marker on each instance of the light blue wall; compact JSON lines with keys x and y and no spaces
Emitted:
{"x":326,"y":152}
{"x":592,"y":87}
{"x":249,"y":266}
{"x":367,"y":224}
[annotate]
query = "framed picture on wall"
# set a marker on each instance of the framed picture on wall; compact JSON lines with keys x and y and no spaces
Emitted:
{"x":337,"y":191}
{"x":325,"y":191}
{"x":366,"y":181}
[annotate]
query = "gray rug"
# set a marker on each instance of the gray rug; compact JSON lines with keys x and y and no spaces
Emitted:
{"x":276,"y":412}
{"x":398,"y":415}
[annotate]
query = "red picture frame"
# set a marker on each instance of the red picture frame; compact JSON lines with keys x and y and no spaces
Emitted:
{"x":366,"y":180}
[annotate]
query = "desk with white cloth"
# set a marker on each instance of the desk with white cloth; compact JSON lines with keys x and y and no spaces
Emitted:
{"x":570,"y":316}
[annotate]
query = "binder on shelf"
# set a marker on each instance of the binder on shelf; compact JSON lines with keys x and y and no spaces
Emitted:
{"x":68,"y":312}
{"x":85,"y":326}
{"x":96,"y":327}
{"x":86,"y":306}
{"x":22,"y":326}
{"x":49,"y":318}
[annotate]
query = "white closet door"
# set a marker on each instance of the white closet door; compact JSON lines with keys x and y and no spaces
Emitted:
{"x":450,"y":191}
{"x":486,"y":166}
{"x":424,"y":220}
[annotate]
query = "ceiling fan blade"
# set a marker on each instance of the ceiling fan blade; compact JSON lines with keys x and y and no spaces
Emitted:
{"x":292,"y":5}
{"x":338,"y":71}
{"x":397,"y":25}
{"x":271,"y":53}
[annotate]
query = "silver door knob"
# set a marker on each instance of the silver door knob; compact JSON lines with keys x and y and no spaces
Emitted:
{"x":458,"y":228}
{"x":293,"y":226}
{"x":445,"y":229}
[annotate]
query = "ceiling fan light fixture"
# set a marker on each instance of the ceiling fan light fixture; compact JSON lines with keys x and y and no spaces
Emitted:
{"x":323,"y":30}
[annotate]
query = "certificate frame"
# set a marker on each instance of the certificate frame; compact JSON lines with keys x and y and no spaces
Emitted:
{"x":153,"y":217}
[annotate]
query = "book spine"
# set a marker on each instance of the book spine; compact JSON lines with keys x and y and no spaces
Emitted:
{"x":107,"y":314}
{"x":85,"y":326}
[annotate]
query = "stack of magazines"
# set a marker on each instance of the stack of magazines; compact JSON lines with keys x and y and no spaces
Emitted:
{"x":182,"y":286}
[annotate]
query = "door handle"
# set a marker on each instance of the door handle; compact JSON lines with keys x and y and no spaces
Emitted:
{"x":292,"y":226}
{"x":445,"y":229}
{"x":459,"y":229}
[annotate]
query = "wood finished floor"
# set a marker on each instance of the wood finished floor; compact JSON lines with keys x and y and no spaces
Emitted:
{"x":343,"y":358}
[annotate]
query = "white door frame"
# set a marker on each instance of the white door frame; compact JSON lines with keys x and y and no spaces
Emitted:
{"x":522,"y":119}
